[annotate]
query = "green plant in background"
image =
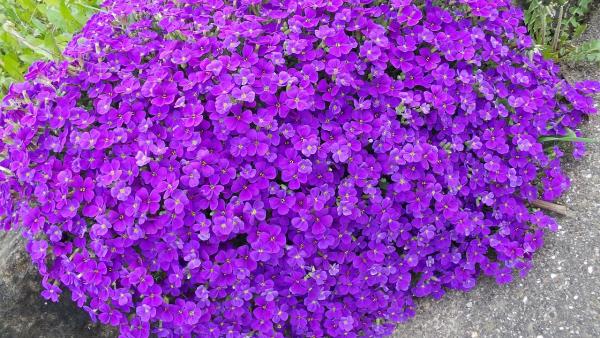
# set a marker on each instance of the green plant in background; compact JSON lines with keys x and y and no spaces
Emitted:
{"x":31,"y":30}
{"x":554,"y":24}
{"x":589,"y":51}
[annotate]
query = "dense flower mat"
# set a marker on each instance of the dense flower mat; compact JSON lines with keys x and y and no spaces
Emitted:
{"x":284,"y":168}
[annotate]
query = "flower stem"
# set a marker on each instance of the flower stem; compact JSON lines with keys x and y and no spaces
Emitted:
{"x":557,"y":208}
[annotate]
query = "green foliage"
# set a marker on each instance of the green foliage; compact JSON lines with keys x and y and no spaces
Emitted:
{"x":589,"y":51}
{"x":36,"y":29}
{"x":554,"y":24}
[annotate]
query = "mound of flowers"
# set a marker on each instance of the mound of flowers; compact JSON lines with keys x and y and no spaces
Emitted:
{"x":284,"y":168}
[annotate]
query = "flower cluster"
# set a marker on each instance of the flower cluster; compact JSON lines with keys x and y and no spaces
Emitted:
{"x":284,"y":168}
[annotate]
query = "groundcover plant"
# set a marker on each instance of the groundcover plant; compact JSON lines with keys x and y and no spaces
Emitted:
{"x":285,"y":168}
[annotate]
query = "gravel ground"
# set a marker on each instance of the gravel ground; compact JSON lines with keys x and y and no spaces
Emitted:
{"x":561,"y":295}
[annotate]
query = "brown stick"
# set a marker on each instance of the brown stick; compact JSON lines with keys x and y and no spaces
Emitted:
{"x":559,"y":209}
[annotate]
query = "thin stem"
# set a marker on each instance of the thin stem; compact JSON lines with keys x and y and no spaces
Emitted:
{"x":557,"y":208}
{"x":91,"y":7}
{"x":76,"y":251}
{"x":6,"y":171}
{"x":543,"y":35}
{"x":558,"y":27}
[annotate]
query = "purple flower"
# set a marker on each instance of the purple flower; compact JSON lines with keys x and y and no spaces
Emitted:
{"x":341,"y":153}
{"x":215,"y":66}
{"x":164,"y":94}
{"x":93,"y":272}
{"x":222,"y":226}
{"x":370,"y":51}
{"x":270,"y":239}
{"x":346,"y":323}
{"x":340,"y":44}
{"x":83,"y":189}
{"x":51,"y":291}
{"x":145,"y":312}
{"x":255,"y":211}
{"x":191,"y":177}
{"x":239,"y":122}
{"x":127,"y":86}
{"x":176,"y":202}
{"x":223,"y":104}
{"x":412,"y":153}
{"x":120,"y":191}
{"x":282,"y":202}
{"x":297,"y":99}
{"x":244,"y":94}
{"x":38,"y":250}
{"x":285,"y":169}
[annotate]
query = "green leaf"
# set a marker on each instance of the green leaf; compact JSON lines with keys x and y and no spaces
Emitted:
{"x":570,"y":137}
{"x":548,"y":53}
{"x":51,"y":44}
{"x":72,"y":23}
{"x":10,"y":64}
{"x":589,"y":51}
{"x":579,"y":30}
{"x":28,"y":5}
{"x":566,"y":139}
{"x":52,"y":3}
